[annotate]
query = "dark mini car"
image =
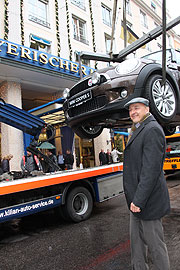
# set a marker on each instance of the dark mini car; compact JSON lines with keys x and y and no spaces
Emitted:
{"x":97,"y":101}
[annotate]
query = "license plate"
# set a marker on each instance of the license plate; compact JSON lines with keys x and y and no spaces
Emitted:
{"x":80,"y":99}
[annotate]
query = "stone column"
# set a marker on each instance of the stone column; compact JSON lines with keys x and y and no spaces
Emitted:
{"x":102,"y":142}
{"x":12,"y":138}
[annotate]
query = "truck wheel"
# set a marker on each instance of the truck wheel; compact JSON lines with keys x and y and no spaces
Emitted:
{"x":79,"y":204}
{"x":60,"y":212}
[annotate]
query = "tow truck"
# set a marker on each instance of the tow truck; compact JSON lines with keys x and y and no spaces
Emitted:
{"x":71,"y":193}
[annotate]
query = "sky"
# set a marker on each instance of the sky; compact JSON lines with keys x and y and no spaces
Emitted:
{"x":174,"y":8}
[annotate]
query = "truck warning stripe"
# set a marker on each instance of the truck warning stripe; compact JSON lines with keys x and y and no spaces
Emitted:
{"x":54,"y":179}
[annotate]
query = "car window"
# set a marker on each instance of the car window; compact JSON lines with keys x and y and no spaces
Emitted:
{"x":178,"y":57}
{"x":157,"y":56}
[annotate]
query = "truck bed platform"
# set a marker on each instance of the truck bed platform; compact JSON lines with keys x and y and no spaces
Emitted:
{"x":8,"y":187}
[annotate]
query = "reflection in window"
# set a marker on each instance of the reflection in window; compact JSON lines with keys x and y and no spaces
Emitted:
{"x":38,"y":11}
{"x":79,"y":30}
{"x":106,"y":15}
{"x":40,"y":44}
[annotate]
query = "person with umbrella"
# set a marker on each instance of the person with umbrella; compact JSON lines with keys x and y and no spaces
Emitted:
{"x":49,"y":162}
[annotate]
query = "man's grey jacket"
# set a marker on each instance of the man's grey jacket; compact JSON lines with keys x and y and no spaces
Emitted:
{"x":143,"y":177}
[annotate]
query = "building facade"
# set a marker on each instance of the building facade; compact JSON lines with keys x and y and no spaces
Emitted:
{"x":43,"y":39}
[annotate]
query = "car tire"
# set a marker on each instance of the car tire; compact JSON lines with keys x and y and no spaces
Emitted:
{"x":79,"y":204}
{"x":168,"y":130}
{"x":169,"y":172}
{"x":87,"y":132}
{"x":163,"y":101}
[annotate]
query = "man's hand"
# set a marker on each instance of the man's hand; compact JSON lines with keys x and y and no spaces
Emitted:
{"x":134,"y":208}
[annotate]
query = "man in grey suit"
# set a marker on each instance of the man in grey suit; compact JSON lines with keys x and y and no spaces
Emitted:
{"x":145,"y":187}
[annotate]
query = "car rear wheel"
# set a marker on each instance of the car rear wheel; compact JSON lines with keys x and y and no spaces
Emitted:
{"x":88,"y":132}
{"x":163,"y":101}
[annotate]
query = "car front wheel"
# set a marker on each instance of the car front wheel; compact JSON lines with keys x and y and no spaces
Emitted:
{"x":163,"y":101}
{"x":88,"y":132}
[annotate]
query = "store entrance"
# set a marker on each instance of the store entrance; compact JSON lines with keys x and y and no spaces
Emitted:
{"x":84,"y":151}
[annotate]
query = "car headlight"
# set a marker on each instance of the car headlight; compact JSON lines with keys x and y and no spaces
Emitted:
{"x":95,"y":79}
{"x":66,"y":93}
{"x":127,"y":66}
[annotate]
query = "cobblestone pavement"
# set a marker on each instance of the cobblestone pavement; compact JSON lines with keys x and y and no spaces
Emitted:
{"x":43,"y":242}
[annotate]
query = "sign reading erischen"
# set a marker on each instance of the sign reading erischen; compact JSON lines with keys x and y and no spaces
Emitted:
{"x":22,"y":54}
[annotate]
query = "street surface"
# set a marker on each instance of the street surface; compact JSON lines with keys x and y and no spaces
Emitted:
{"x":44,"y":241}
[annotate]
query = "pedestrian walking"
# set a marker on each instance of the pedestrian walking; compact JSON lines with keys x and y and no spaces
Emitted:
{"x":30,"y":163}
{"x":102,"y":157}
{"x":52,"y":157}
{"x":145,"y":187}
{"x":108,"y":157}
{"x":68,"y":160}
{"x":60,"y":159}
{"x":5,"y":163}
{"x":115,"y":154}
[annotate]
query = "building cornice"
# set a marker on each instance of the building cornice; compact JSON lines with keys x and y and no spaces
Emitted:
{"x":142,"y":5}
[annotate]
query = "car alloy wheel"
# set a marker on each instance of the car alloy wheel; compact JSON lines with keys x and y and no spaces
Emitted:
{"x":164,"y":98}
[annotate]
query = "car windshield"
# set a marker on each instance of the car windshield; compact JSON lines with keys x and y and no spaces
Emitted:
{"x":173,"y":148}
{"x":157,"y":56}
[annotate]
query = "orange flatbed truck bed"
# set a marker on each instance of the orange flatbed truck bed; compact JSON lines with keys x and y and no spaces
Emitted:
{"x":71,"y":193}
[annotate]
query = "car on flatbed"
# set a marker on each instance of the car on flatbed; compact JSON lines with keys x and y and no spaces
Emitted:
{"x":97,"y":101}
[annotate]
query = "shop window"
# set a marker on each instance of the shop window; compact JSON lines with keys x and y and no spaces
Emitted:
{"x":40,"y":44}
{"x":79,"y":3}
{"x":143,"y":19}
{"x":38,"y":12}
{"x":106,"y":15}
{"x":84,"y":151}
{"x":119,"y":143}
{"x":79,"y":30}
